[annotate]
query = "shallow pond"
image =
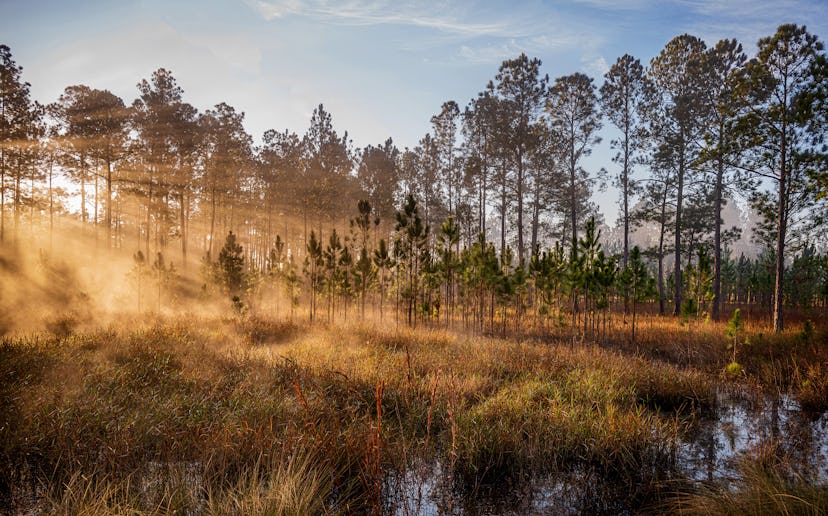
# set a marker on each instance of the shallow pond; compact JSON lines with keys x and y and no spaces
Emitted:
{"x":709,"y":450}
{"x":744,"y":422}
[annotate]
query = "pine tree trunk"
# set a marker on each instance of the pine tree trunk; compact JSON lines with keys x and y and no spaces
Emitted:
{"x":51,"y":204}
{"x":482,"y":201}
{"x":149,"y":219}
{"x":715,"y":309}
{"x":108,"y":203}
{"x":503,"y":215}
{"x":3,"y":199}
{"x":781,"y":228}
{"x":661,"y":308}
{"x":572,"y":209}
{"x":16,"y":201}
{"x":679,"y":198}
{"x":212,"y":223}
{"x":535,"y":219}
{"x":626,"y":189}
{"x":95,"y":211}
{"x":520,"y":185}
{"x":83,"y":195}
{"x":183,"y":228}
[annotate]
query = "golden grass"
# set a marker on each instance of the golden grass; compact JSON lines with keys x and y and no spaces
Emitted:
{"x":261,"y":408}
{"x":768,"y":485}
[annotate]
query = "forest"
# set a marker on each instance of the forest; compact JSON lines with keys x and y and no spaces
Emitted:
{"x":195,"y":320}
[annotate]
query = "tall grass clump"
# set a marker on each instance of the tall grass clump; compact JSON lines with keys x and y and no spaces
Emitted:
{"x":768,"y":484}
{"x":245,"y":415}
{"x":583,"y":419}
{"x":812,"y":387}
{"x":294,"y":483}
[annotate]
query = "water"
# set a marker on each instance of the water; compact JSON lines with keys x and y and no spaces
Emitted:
{"x":425,"y":490}
{"x":743,"y":423}
{"x":710,"y":450}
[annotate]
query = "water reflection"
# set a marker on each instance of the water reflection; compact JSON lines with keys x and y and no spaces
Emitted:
{"x":747,"y":421}
{"x":709,"y":451}
{"x":426,"y":492}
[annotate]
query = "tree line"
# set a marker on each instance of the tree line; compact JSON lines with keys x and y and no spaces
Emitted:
{"x":584,"y":291}
{"x":703,"y":122}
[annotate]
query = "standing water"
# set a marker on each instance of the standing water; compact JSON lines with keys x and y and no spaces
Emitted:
{"x":710,"y":450}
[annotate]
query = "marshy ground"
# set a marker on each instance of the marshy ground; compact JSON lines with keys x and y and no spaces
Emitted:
{"x":255,"y":416}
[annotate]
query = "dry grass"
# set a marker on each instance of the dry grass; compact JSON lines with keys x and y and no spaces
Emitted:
{"x":769,"y":484}
{"x":255,"y":416}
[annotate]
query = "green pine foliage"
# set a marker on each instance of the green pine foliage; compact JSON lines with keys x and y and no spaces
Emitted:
{"x":735,"y":332}
{"x":637,"y":284}
{"x":231,"y":267}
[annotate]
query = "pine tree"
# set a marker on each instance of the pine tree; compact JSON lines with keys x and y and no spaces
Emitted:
{"x":333,"y":271}
{"x":314,"y":261}
{"x":139,"y":265}
{"x":231,"y":269}
{"x":735,"y":330}
{"x":364,"y":274}
{"x":447,"y":239}
{"x":17,"y":118}
{"x":522,"y":89}
{"x":410,"y":248}
{"x":638,"y":284}
{"x":699,"y":285}
{"x":572,"y":108}
{"x":163,"y":274}
{"x":722,"y":152}
{"x":275,"y":269}
{"x":384,"y":262}
{"x":626,"y":96}
{"x":787,"y":69}
{"x":677,"y":122}
{"x":293,"y":284}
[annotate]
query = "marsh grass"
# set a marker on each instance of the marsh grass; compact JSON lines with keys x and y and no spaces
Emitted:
{"x":260,"y":330}
{"x":296,"y":483}
{"x":255,"y":416}
{"x":769,"y":483}
{"x":813,"y":387}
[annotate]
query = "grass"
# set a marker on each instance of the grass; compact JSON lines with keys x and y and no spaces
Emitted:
{"x":769,"y":484}
{"x":296,"y":484}
{"x":251,"y":416}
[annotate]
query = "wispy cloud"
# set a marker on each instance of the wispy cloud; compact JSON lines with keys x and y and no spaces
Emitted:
{"x":271,"y":10}
{"x":595,"y":66}
{"x":616,"y":5}
{"x":498,"y":50}
{"x":748,"y":20}
{"x":750,"y":9}
{"x":480,"y":32}
{"x":441,"y":17}
{"x":482,"y":54}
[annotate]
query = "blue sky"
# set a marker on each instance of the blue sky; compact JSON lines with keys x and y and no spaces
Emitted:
{"x":382,"y":68}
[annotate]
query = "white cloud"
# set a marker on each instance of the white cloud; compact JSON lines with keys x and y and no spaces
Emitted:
{"x":494,"y":53}
{"x":616,"y":5}
{"x":439,"y":16}
{"x":741,"y":8}
{"x":749,"y":20}
{"x":231,"y":51}
{"x":271,"y":10}
{"x":595,"y":67}
{"x":472,"y":32}
{"x":484,"y":54}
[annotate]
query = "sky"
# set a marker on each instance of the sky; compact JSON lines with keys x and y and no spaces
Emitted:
{"x":381,"y":68}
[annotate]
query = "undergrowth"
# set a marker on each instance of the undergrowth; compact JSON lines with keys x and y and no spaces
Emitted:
{"x":250,"y":416}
